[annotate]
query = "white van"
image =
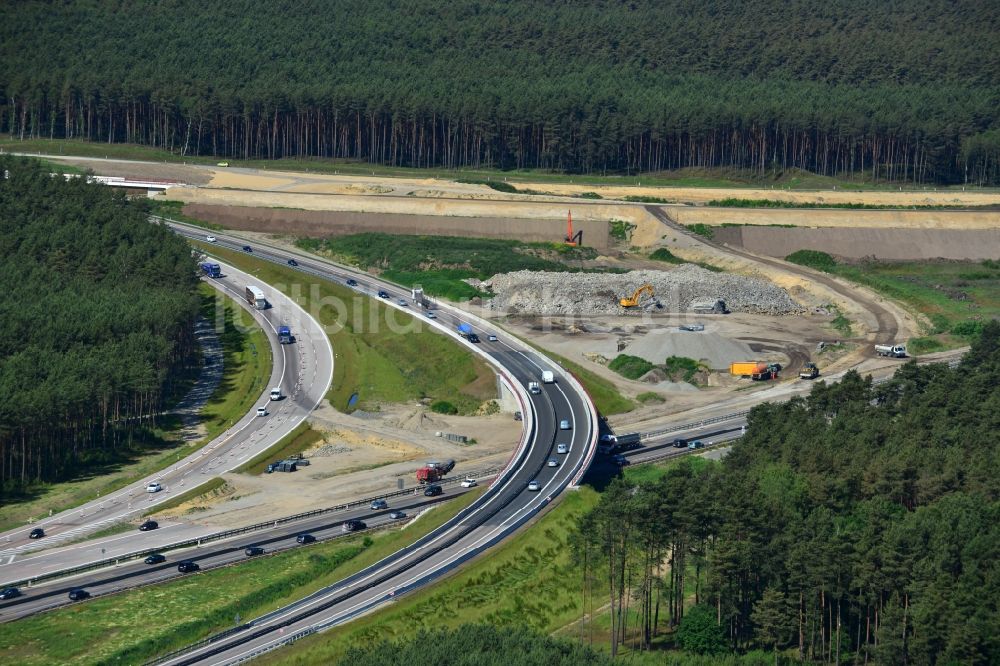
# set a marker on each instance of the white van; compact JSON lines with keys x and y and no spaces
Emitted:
{"x":276,"y":393}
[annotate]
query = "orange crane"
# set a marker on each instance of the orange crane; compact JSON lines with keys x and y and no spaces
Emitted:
{"x":633,"y":300}
{"x":571,"y":239}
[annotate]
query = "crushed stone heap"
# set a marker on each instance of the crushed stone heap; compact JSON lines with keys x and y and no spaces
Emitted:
{"x":542,"y":293}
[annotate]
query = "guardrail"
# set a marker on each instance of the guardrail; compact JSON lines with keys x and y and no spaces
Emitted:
{"x":238,"y":531}
{"x":653,"y":434}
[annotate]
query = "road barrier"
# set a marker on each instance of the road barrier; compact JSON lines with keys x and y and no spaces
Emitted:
{"x":220,"y":536}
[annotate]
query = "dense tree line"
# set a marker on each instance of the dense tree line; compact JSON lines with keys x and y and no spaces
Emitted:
{"x":900,"y":91}
{"x":859,"y":524}
{"x":95,"y":321}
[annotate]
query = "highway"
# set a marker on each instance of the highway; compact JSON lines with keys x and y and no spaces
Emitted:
{"x":505,"y":506}
{"x":137,"y":573}
{"x":303,"y":370}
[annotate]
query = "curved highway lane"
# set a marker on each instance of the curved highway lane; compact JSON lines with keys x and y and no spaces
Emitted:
{"x":511,"y":501}
{"x":304,"y":370}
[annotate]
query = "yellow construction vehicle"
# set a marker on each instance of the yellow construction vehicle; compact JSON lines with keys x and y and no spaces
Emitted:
{"x":633,"y":301}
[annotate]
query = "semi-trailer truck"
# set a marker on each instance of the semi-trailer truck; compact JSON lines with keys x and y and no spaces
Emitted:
{"x":616,"y":443}
{"x":211,"y":270}
{"x":255,"y":297}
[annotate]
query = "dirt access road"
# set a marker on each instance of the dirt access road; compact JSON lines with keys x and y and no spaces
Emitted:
{"x":888,"y":327}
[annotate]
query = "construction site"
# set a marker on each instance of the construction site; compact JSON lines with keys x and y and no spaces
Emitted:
{"x":694,"y":322}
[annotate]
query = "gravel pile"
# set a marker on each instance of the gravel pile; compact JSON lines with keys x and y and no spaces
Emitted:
{"x":329,"y":450}
{"x":531,"y":292}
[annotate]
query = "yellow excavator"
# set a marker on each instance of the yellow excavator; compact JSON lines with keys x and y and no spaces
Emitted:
{"x":633,"y":300}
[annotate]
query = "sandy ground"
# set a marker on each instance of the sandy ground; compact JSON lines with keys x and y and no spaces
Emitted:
{"x":929,"y":197}
{"x":434,"y":187}
{"x":362,"y":457}
{"x":180,"y":173}
{"x":359,"y":456}
{"x":319,"y":224}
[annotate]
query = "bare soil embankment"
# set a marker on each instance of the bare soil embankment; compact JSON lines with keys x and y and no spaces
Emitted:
{"x":315,"y":223}
{"x":838,"y":217}
{"x":859,"y":243}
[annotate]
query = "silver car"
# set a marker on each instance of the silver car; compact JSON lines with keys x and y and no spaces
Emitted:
{"x":534,"y":486}
{"x":564,"y":425}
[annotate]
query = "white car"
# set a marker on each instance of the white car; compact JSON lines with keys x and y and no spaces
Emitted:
{"x":154,"y":487}
{"x":469,"y":483}
{"x":534,"y":486}
{"x":210,"y":239}
{"x":564,"y":425}
{"x":491,"y":337}
{"x":562,"y":448}
{"x":553,"y":462}
{"x":262,"y":411}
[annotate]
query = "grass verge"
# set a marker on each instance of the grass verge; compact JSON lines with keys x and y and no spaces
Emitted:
{"x":775,"y":203}
{"x":382,"y":355}
{"x":246,"y":366}
{"x":296,"y":441}
{"x":441,"y":263}
{"x":530,"y":580}
{"x":956,"y":297}
{"x":246,"y":369}
{"x":136,"y":625}
{"x":187,"y":496}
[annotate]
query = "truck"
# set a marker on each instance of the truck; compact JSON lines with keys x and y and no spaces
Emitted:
{"x":429,"y":475}
{"x":548,"y":377}
{"x":210,"y":269}
{"x":756,"y":370}
{"x":770,"y":371}
{"x":465,"y":330}
{"x":809,"y":371}
{"x":534,"y":388}
{"x":255,"y":297}
{"x":895,"y":351}
{"x":616,"y":443}
{"x":285,"y":335}
{"x":443,"y":466}
{"x":747,"y":369}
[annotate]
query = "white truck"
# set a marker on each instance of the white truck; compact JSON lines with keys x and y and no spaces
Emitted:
{"x":534,"y":388}
{"x":548,"y":377}
{"x":896,"y":351}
